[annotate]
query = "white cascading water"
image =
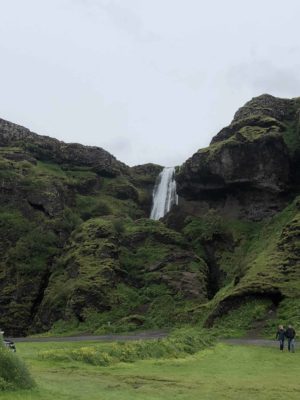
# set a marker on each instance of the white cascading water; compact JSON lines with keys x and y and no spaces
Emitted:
{"x":164,"y":193}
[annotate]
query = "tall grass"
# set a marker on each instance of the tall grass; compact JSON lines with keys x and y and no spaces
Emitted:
{"x":181,"y":343}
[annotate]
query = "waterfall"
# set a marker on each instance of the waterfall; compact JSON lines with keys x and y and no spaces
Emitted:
{"x":164,"y":193}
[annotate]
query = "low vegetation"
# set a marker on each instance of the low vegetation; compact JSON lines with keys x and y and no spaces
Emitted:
{"x":13,"y":372}
{"x":181,"y":343}
{"x":221,"y":372}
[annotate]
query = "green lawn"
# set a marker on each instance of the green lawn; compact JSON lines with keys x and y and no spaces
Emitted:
{"x":224,"y":372}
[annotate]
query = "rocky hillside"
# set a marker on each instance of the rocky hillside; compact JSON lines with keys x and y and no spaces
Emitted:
{"x":78,"y":251}
{"x":240,"y":207}
{"x":76,"y":244}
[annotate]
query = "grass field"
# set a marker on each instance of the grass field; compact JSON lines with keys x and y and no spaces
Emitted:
{"x":223,"y":372}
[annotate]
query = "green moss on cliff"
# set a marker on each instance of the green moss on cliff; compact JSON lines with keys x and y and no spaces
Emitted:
{"x":265,"y":263}
{"x":27,"y":249}
{"x":123,"y":274}
{"x":223,"y":242}
{"x":292,"y":137}
{"x":47,"y":201}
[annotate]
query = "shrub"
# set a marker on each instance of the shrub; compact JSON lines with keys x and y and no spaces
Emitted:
{"x":13,"y":372}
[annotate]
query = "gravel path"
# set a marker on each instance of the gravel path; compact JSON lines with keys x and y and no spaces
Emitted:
{"x":104,"y":338}
{"x":139,"y":336}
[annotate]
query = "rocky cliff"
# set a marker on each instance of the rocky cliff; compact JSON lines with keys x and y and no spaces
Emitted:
{"x":78,"y":252}
{"x":240,"y":207}
{"x":251,"y":166}
{"x":70,"y":249}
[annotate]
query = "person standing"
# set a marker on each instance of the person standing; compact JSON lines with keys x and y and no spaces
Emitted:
{"x":290,"y":334}
{"x":280,"y":335}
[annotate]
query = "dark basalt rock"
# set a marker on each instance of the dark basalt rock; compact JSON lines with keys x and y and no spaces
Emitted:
{"x":264,"y":111}
{"x":247,"y":163}
{"x":266,"y":105}
{"x":263,"y":164}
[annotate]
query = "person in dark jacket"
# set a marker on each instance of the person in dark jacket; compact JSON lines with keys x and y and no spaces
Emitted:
{"x":280,"y":335}
{"x":290,"y":334}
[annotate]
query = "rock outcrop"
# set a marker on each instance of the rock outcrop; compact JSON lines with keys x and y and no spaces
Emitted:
{"x":246,"y":171}
{"x":44,"y":148}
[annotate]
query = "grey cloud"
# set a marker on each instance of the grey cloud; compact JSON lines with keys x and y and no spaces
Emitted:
{"x":124,"y":18}
{"x":264,"y":76}
{"x":150,"y":81}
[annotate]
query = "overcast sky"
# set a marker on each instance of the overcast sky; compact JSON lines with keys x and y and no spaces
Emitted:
{"x":148,"y":80}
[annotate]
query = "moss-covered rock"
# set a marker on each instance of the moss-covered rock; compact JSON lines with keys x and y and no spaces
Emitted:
{"x":247,"y":167}
{"x":118,"y":271}
{"x":47,"y":189}
{"x":267,"y":263}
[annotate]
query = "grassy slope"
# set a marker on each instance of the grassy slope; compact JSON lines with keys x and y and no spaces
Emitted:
{"x":224,"y":372}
